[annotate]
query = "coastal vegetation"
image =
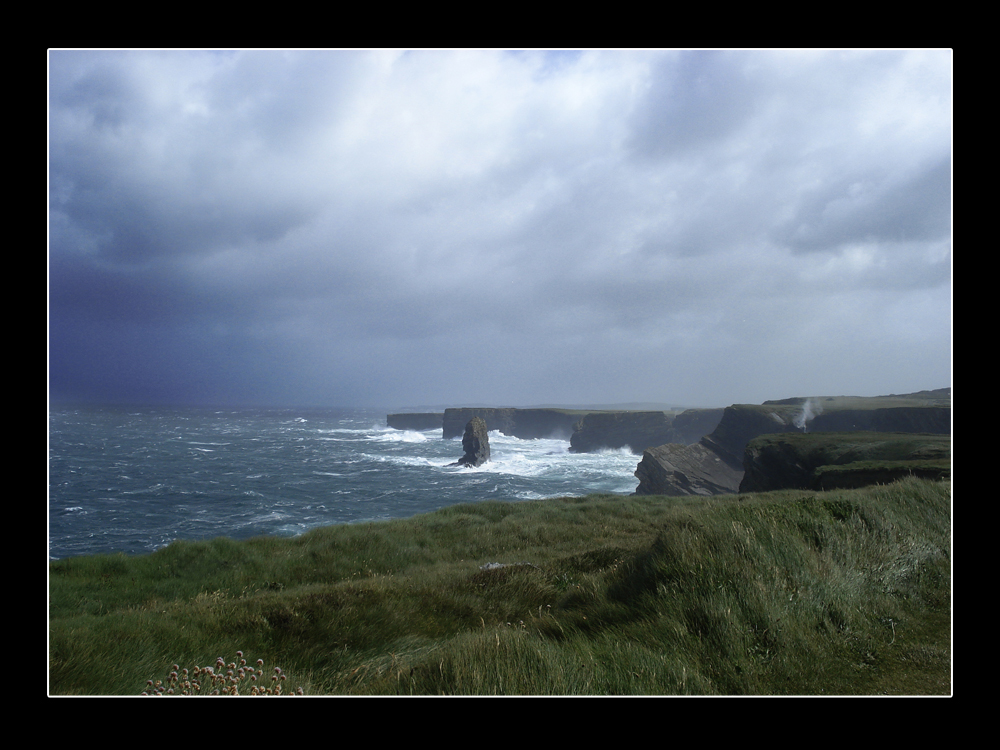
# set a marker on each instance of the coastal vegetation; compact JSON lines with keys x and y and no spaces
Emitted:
{"x":793,"y":592}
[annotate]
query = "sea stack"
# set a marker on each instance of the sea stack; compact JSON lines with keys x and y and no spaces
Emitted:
{"x":476,"y":443}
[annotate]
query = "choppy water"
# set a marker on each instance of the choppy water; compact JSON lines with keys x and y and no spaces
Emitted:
{"x":133,"y":480}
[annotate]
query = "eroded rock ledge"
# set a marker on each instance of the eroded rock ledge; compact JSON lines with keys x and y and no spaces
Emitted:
{"x":834,"y":460}
{"x":676,"y":469}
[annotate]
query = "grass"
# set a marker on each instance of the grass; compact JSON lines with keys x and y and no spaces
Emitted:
{"x":825,"y":460}
{"x":842,"y":592}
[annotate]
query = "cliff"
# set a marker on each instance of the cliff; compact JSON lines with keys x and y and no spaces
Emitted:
{"x":415,"y":421}
{"x":522,"y":423}
{"x":639,"y":430}
{"x":589,"y":430}
{"x":926,"y":411}
{"x":832,"y":460}
{"x":618,"y":429}
{"x":675,"y":469}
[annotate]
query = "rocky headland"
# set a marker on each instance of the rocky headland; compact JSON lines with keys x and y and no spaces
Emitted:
{"x":715,"y":465}
{"x":705,"y":451}
{"x":833,"y":460}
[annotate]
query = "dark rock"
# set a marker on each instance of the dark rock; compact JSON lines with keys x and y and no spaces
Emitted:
{"x":676,"y":469}
{"x":526,"y":424}
{"x":692,"y":425}
{"x":842,"y":460}
{"x":639,"y":430}
{"x":670,"y":469}
{"x":741,"y":423}
{"x":932,"y":419}
{"x":636,"y":430}
{"x":589,"y":430}
{"x":476,"y":443}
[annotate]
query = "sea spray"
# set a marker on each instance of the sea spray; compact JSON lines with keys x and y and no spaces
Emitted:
{"x":810,"y":410}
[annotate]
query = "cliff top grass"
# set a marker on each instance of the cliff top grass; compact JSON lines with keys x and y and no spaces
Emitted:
{"x":843,"y":592}
{"x":936,"y":398}
{"x":825,"y":448}
{"x":562,"y":410}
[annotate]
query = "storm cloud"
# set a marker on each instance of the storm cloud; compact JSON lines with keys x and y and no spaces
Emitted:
{"x":382,"y":228}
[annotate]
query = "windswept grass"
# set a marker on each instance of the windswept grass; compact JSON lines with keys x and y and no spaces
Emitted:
{"x":839,"y":592}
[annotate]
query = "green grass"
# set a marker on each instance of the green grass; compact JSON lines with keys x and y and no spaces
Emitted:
{"x":839,"y":593}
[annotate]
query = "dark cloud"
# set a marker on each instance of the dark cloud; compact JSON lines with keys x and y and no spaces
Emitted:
{"x":443,"y":227}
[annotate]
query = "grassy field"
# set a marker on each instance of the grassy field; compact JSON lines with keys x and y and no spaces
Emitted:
{"x":784,"y":593}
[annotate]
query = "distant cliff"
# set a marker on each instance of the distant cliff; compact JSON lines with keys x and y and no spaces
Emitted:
{"x":415,"y":421}
{"x":702,"y":465}
{"x":522,"y":423}
{"x":639,"y":430}
{"x":589,"y":430}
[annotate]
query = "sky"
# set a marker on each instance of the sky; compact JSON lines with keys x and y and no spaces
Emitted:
{"x":383,"y":228}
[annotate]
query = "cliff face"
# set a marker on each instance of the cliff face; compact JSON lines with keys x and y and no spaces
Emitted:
{"x":714,"y":465}
{"x":588,"y":431}
{"x":639,"y":430}
{"x":686,"y":470}
{"x":692,"y":425}
{"x":522,"y":423}
{"x":415,"y":421}
{"x":618,"y":429}
{"x":932,"y":419}
{"x":927,"y":411}
{"x":829,"y":460}
{"x":741,"y":423}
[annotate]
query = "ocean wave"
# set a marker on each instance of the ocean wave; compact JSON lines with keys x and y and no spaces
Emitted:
{"x":402,"y":436}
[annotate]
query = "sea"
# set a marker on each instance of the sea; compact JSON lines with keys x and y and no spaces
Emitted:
{"x":132,"y":480}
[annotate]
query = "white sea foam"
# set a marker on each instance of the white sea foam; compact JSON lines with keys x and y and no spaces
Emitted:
{"x":403,"y":436}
